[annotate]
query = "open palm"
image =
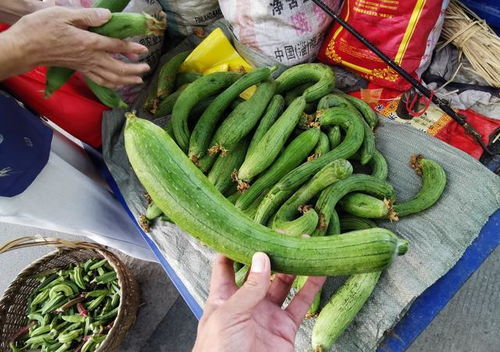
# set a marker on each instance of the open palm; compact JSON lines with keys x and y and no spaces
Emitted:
{"x":251,"y":318}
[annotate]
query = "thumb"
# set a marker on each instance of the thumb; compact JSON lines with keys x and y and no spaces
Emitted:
{"x":92,"y":17}
{"x":255,"y":288}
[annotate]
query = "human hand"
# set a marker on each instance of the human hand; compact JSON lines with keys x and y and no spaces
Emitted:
{"x":251,"y":318}
{"x":56,"y":36}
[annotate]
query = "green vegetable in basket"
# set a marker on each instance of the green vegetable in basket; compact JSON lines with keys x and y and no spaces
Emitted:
{"x":62,"y":309}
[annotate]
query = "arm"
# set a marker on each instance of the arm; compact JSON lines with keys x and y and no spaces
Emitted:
{"x":57,"y":36}
{"x":12,"y":10}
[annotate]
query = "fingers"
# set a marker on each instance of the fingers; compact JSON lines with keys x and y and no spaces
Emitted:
{"x":105,"y":79}
{"x":113,"y":45}
{"x":279,"y":288}
{"x":110,"y":72}
{"x":222,"y":285}
{"x":113,"y":73}
{"x":128,"y":73}
{"x":97,"y":78}
{"x":92,"y":17}
{"x":132,"y":57}
{"x":122,"y":68}
{"x":297,"y":309}
{"x":255,"y":287}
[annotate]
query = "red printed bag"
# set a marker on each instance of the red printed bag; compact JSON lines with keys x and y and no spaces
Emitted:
{"x":405,"y":30}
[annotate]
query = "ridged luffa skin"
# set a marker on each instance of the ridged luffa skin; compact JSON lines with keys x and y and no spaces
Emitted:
{"x":186,"y":196}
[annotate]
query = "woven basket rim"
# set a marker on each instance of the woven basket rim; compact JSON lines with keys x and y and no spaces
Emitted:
{"x":129,"y":298}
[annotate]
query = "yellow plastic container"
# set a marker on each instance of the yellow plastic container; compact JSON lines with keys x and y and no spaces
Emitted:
{"x":218,"y":68}
{"x":214,"y":54}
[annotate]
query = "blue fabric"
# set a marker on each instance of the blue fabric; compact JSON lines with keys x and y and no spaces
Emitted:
{"x":486,"y":9}
{"x":24,"y":146}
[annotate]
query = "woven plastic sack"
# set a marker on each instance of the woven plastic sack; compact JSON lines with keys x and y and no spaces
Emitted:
{"x":290,"y":31}
{"x":406,"y":31}
{"x":186,"y":17}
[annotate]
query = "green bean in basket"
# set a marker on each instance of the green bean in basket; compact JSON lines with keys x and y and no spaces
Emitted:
{"x":72,"y":309}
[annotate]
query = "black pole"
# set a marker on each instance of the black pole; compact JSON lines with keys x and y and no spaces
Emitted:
{"x":443,"y":105}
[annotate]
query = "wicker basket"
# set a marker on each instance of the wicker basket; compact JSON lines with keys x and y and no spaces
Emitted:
{"x":14,"y":301}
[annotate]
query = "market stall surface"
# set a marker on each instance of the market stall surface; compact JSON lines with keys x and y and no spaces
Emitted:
{"x":469,"y":323}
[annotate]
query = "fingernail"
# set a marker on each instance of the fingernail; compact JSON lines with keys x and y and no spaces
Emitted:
{"x":142,"y":48}
{"x":258,"y":262}
{"x":103,"y":14}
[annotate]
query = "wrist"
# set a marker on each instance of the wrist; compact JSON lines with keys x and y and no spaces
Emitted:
{"x":20,"y":53}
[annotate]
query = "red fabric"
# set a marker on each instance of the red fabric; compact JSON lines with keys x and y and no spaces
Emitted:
{"x":455,"y":135}
{"x":73,"y":107}
{"x":451,"y":133}
{"x":394,"y":27}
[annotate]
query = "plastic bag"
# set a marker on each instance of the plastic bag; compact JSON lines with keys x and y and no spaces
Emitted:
{"x":214,"y":54}
{"x":64,"y":192}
